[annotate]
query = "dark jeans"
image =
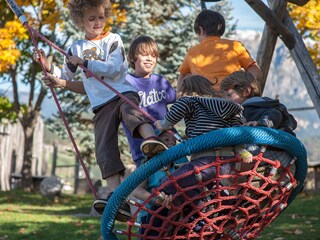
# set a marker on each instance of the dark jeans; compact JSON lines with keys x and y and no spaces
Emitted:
{"x":191,"y":180}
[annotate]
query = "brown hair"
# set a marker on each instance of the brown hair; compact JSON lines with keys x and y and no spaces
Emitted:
{"x":77,"y":8}
{"x":196,"y":85}
{"x":142,"y":45}
{"x":212,"y":23}
{"x":240,"y":81}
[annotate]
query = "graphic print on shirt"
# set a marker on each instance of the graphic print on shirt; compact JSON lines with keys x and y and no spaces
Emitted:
{"x":153,"y":97}
{"x":92,"y":54}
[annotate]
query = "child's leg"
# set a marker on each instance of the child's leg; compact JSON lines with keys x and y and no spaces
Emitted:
{"x":129,"y":169}
{"x":146,"y":130}
{"x":183,"y":182}
{"x":113,"y":181}
{"x":106,"y":124}
{"x":140,"y":126}
{"x":191,"y":179}
{"x":124,"y":212}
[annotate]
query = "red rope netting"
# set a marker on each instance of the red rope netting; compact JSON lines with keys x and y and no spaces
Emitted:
{"x":237,"y":205}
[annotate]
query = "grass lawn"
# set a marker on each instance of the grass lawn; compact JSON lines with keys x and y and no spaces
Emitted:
{"x":300,"y":221}
{"x":28,"y":216}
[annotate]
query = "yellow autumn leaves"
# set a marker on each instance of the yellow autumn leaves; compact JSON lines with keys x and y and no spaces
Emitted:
{"x":118,"y":16}
{"x":12,"y":31}
{"x":307,"y":16}
{"x":307,"y":21}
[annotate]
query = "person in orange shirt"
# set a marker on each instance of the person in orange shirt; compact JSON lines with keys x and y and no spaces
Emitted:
{"x":215,"y":57}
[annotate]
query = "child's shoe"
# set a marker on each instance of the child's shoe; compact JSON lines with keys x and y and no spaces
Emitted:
{"x":123,"y":214}
{"x":152,"y":146}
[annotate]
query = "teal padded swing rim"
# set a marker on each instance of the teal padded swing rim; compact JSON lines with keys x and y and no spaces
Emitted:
{"x":214,"y":139}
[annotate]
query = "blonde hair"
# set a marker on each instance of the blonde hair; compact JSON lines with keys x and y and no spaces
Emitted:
{"x":196,"y":85}
{"x":142,"y":45}
{"x":77,"y":8}
{"x":240,"y":81}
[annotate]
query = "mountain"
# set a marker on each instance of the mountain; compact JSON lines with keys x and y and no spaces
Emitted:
{"x":284,"y":81}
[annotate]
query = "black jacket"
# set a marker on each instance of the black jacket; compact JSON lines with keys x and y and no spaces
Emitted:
{"x":269,"y":113}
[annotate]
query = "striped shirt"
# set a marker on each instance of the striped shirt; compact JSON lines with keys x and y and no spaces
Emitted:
{"x":202,"y":114}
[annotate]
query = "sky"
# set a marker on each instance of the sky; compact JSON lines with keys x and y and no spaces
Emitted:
{"x":246,"y":16}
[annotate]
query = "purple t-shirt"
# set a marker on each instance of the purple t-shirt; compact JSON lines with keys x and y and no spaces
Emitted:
{"x":155,"y":94}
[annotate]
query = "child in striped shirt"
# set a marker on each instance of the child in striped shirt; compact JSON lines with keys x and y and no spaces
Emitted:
{"x":202,"y":110}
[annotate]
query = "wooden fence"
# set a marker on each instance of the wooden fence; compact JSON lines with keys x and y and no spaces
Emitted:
{"x":11,"y":152}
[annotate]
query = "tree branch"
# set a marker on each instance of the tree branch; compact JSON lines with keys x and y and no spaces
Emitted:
{"x":299,"y":2}
{"x":274,"y":23}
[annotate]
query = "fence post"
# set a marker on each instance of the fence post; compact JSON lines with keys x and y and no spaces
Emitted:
{"x":54,"y":159}
{"x":76,"y":176}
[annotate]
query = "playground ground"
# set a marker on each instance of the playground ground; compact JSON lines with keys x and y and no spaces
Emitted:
{"x":29,"y":216}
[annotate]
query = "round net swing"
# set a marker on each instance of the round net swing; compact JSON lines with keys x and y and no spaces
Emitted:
{"x":237,"y":205}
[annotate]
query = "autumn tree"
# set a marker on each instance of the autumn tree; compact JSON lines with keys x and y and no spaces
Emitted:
{"x":15,"y":67}
{"x":307,"y":21}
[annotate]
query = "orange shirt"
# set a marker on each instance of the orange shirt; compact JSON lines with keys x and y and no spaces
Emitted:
{"x":215,"y":58}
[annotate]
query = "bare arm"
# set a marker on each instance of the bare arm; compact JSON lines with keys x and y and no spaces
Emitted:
{"x":256,"y":72}
{"x":73,"y":86}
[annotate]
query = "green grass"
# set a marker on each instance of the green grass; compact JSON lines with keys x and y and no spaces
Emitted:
{"x":301,"y":220}
{"x":29,"y":216}
{"x":26,"y":216}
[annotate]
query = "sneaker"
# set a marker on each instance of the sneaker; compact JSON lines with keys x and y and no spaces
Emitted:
{"x":123,"y":214}
{"x":152,"y":146}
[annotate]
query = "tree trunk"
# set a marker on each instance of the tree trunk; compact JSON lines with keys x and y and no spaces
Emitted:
{"x":26,"y":171}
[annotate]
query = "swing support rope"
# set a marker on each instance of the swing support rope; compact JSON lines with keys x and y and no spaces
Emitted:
{"x":33,"y":33}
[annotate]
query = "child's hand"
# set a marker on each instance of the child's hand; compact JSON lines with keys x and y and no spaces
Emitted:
{"x":247,"y":159}
{"x":246,"y":156}
{"x":75,"y":60}
{"x":162,"y":125}
{"x":39,"y":54}
{"x":54,"y":82}
{"x":158,"y":125}
{"x":252,"y":123}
